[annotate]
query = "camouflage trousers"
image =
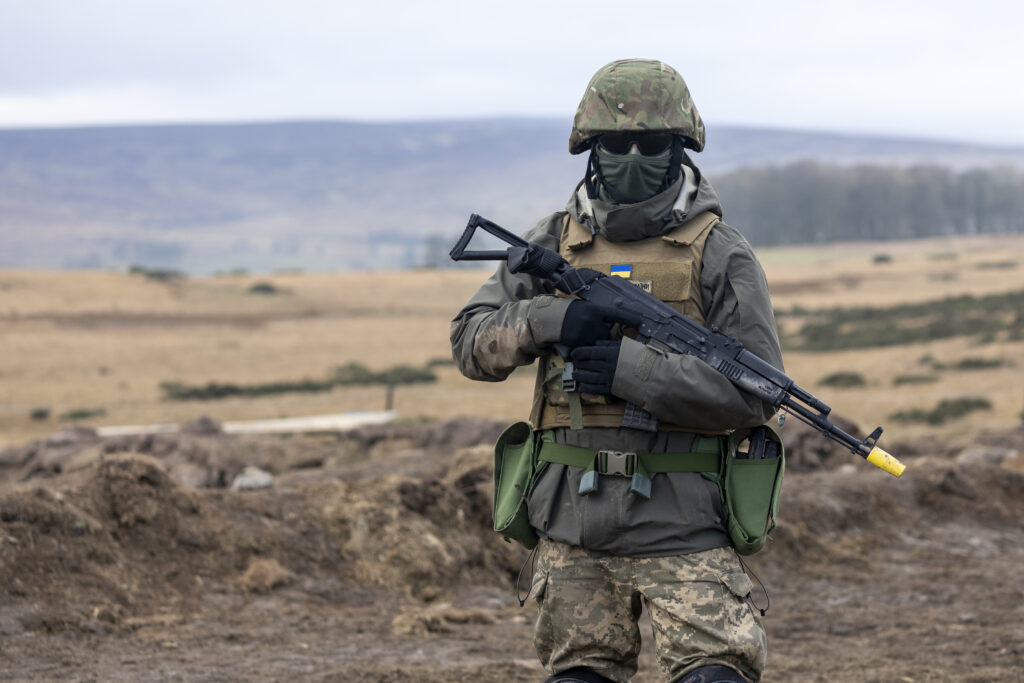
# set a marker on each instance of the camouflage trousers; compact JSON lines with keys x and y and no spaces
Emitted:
{"x":698,"y":605}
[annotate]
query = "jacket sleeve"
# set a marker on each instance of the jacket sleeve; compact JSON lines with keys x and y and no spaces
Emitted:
{"x":511,"y":319}
{"x":683,"y":389}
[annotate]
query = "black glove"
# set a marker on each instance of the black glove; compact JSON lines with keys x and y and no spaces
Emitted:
{"x":595,"y":366}
{"x":585,"y":323}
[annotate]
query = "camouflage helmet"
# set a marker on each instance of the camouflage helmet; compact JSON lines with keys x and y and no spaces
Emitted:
{"x":636,"y":95}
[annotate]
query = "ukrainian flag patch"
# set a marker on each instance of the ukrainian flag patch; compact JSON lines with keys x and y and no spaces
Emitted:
{"x":622,"y":271}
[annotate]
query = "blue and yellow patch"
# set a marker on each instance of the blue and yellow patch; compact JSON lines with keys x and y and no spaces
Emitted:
{"x":622,"y":271}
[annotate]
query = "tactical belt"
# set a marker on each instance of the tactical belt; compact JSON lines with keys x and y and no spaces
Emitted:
{"x":705,"y":457}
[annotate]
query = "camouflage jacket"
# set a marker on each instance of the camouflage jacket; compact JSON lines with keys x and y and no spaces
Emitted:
{"x":513,"y":319}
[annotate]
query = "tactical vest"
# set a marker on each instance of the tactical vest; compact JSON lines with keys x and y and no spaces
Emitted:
{"x":667,"y":267}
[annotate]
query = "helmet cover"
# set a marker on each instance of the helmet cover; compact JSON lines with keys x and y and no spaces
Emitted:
{"x":642,"y":95}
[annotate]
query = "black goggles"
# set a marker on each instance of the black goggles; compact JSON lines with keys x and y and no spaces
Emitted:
{"x":649,"y":144}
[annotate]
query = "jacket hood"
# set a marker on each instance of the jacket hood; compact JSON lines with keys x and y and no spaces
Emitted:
{"x":690,"y":195}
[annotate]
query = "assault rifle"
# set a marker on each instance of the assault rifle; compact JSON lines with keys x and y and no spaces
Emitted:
{"x":661,"y":327}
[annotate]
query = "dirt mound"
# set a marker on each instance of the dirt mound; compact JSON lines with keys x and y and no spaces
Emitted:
{"x":124,"y":534}
{"x":846,"y":523}
{"x":202,"y":456}
{"x":102,"y":542}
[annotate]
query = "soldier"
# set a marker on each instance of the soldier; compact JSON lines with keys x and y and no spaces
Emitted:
{"x":645,"y":212}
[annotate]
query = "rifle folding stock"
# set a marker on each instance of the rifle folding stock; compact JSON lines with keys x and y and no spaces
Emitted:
{"x":660,"y":326}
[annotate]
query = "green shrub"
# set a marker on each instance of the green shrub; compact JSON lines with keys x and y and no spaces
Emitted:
{"x":971,"y":363}
{"x":83,"y":413}
{"x":978,"y":363}
{"x":177,"y":391}
{"x":158,"y":274}
{"x":949,"y":409}
{"x":307,"y":386}
{"x":843,"y":380}
{"x":997,"y":265}
{"x":265,"y":288}
{"x":900,"y":380}
{"x":961,"y":316}
{"x":405,"y":374}
{"x":354,"y":373}
{"x":39,"y":414}
{"x":351,"y":374}
{"x":832,"y":336}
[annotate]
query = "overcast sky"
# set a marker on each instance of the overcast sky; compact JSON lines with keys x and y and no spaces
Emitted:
{"x":936,"y":68}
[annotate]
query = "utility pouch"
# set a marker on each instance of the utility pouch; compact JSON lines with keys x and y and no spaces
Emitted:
{"x":751,"y":486}
{"x":514,"y":466}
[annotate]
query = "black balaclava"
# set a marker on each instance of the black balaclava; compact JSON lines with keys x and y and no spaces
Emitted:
{"x":631,"y":178}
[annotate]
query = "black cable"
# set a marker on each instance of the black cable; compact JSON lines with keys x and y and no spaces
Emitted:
{"x":764,"y":590}
{"x":533,"y":571}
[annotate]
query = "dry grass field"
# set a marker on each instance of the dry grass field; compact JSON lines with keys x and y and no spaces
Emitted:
{"x":105,"y":341}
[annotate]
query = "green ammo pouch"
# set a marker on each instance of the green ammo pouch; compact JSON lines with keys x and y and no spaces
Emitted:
{"x":514,"y":464}
{"x":751,"y":486}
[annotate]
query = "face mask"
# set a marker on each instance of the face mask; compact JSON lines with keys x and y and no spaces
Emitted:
{"x":633,"y":177}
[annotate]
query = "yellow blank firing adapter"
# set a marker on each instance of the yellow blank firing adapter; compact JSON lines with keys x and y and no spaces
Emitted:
{"x":884,"y":461}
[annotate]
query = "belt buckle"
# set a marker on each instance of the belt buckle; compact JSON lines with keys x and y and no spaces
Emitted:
{"x":568,"y":380}
{"x":622,"y":463}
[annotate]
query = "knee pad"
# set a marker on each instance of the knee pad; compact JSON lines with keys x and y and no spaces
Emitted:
{"x":578,"y":674}
{"x":713,"y":674}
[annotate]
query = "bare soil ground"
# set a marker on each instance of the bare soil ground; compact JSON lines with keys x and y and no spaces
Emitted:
{"x":371,"y":559}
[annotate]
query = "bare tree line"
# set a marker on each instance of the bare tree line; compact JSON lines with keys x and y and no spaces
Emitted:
{"x":814,"y":202}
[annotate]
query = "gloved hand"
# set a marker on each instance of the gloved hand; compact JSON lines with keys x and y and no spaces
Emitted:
{"x":595,"y":366}
{"x":585,"y":323}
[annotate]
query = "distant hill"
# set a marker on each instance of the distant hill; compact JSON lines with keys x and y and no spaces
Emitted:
{"x":335,"y":195}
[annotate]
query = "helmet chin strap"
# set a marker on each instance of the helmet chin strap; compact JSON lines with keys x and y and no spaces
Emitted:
{"x":594,"y":172}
